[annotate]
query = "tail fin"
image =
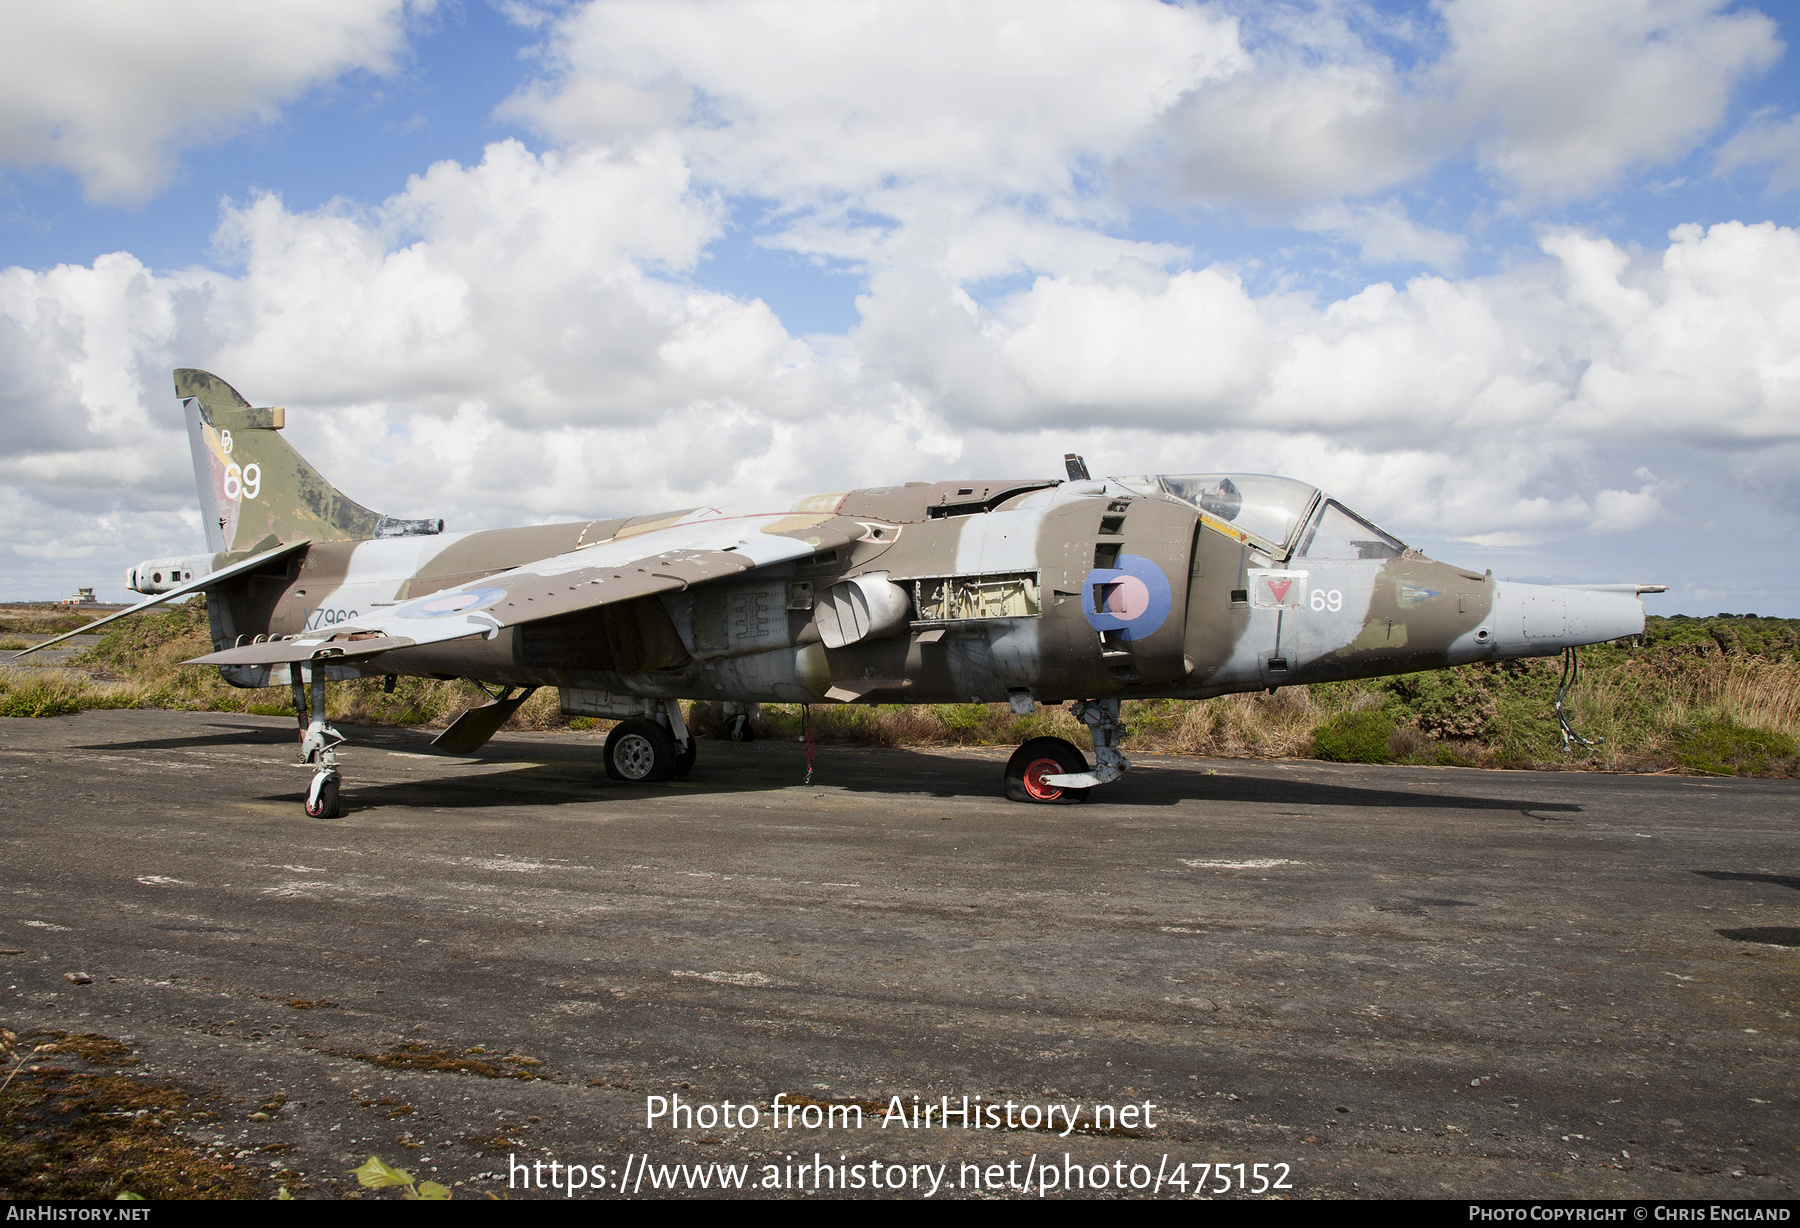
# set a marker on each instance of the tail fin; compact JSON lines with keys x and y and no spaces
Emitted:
{"x":252,"y":482}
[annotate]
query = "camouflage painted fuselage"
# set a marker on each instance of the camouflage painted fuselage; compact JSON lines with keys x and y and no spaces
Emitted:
{"x":970,"y":591}
{"x":1059,"y":590}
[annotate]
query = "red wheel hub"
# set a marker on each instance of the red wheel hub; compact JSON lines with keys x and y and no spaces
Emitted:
{"x":1034,"y":780}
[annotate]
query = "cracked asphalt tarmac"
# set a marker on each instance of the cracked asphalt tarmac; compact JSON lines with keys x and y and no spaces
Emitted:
{"x":1395,"y":981}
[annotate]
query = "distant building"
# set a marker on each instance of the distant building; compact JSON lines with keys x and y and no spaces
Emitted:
{"x":83,"y":596}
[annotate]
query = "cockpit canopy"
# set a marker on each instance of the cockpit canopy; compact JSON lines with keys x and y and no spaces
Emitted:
{"x":1285,"y":517}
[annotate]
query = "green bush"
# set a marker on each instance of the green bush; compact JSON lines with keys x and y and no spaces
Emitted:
{"x":1452,"y":703}
{"x":962,"y":718}
{"x":1355,"y":737}
{"x":1723,"y":748}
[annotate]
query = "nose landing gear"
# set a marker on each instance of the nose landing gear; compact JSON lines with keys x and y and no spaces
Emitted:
{"x":1051,"y":770}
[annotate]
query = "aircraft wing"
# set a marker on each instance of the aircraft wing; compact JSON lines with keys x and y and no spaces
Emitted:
{"x":701,"y":547}
{"x":210,"y":580}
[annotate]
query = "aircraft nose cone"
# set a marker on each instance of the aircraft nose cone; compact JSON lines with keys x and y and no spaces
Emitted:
{"x":1539,"y":619}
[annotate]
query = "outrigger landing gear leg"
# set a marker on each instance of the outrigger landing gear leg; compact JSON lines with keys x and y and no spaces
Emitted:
{"x":1101,"y":716}
{"x":319,"y":748}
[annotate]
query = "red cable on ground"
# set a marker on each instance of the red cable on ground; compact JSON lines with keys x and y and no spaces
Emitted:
{"x":806,"y":724}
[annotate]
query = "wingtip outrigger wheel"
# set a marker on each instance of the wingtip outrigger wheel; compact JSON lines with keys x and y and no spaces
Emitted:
{"x":318,"y":748}
{"x":322,"y":794}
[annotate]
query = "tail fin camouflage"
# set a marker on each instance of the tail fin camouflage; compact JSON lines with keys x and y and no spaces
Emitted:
{"x":253,"y":484}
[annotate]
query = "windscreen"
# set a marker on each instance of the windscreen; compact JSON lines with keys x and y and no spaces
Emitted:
{"x":1339,"y":533}
{"x":1264,"y":506}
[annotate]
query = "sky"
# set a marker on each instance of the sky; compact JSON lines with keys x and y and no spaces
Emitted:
{"x":1517,"y":279}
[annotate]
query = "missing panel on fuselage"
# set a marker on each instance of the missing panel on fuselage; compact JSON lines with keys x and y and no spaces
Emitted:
{"x":967,"y":598}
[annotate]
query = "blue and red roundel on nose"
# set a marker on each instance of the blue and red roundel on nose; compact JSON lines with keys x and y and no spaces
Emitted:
{"x":1133,"y":599}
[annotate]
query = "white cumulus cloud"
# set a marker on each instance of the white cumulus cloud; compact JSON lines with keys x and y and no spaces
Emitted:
{"x":1563,"y":98}
{"x":112,"y":92}
{"x":1618,"y":510}
{"x":532,"y":336}
{"x":513,"y":341}
{"x":1556,"y":100}
{"x":1765,"y":141}
{"x":856,"y":115}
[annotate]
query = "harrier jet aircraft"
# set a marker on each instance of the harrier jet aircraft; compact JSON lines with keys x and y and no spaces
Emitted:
{"x":1028,"y":591}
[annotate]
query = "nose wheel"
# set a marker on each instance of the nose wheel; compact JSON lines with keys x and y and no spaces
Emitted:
{"x":1031,"y":766}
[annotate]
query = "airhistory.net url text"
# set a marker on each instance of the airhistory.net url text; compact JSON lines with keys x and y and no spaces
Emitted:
{"x":641,"y":1174}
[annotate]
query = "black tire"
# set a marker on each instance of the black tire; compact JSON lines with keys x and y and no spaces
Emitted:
{"x":684,"y":762}
{"x":326,"y":805}
{"x":739,"y":729}
{"x":1044,"y":757}
{"x":640,"y":752}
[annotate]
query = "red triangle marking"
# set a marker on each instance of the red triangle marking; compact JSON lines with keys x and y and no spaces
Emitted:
{"x":1279,"y":588}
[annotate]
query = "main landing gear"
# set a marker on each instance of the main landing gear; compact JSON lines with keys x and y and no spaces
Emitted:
{"x":318,"y":747}
{"x":1053,"y":771}
{"x":642,"y":750}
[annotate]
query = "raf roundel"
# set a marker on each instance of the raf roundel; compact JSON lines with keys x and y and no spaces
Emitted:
{"x":1133,"y":599}
{"x":462,"y":601}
